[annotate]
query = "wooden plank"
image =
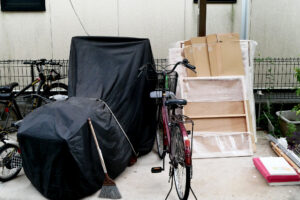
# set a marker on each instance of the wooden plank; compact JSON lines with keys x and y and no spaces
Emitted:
{"x":214,"y":108}
{"x":202,"y":18}
{"x":282,"y":154}
{"x":217,"y":116}
{"x":250,"y":125}
{"x":237,"y":124}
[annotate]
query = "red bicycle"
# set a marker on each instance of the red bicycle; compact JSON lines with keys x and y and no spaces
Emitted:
{"x":171,"y":134}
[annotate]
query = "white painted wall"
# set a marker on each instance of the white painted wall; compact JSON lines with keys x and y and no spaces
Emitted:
{"x":31,"y":35}
{"x":275,"y":25}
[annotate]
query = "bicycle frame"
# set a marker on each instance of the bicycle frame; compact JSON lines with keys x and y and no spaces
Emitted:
{"x":13,"y":102}
{"x":167,"y":132}
{"x":42,"y":79}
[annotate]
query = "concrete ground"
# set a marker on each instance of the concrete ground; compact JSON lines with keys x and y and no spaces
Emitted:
{"x":214,"y":179}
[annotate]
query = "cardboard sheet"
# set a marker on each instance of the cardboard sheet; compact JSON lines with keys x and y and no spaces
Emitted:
{"x":200,"y":56}
{"x":216,"y":55}
{"x":188,"y":52}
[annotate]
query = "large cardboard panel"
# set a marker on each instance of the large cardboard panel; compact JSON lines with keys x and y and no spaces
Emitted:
{"x":188,"y":54}
{"x":214,"y":108}
{"x":200,"y":54}
{"x":228,"y":124}
{"x":225,"y":55}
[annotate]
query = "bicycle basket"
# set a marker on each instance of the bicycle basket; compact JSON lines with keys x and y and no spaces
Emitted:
{"x":159,"y":79}
{"x":172,"y":82}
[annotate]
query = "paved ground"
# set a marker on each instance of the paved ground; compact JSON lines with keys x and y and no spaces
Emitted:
{"x":214,"y":179}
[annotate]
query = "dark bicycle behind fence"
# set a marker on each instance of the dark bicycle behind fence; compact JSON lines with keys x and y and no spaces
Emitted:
{"x":171,"y":134}
{"x":48,"y":87}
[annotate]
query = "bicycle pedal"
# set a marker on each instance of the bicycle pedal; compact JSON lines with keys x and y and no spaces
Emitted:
{"x":156,"y":169}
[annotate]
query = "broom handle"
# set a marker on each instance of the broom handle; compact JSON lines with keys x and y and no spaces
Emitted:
{"x":97,"y":145}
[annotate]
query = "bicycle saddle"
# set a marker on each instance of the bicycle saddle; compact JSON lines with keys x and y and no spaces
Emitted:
{"x":8,"y":88}
{"x":171,"y":102}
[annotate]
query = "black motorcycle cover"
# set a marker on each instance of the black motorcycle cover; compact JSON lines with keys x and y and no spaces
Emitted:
{"x":108,"y":68}
{"x":58,"y":151}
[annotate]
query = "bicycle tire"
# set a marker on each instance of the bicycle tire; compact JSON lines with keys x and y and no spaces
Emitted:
{"x":182,"y":173}
{"x":160,"y":134}
{"x":10,"y":162}
{"x":55,"y":88}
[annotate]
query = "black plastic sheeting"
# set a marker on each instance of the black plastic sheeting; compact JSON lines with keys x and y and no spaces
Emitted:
{"x":59,"y":155}
{"x":108,"y":68}
{"x":58,"y":151}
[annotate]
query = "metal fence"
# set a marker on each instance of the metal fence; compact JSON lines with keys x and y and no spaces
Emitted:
{"x":274,"y":78}
{"x":16,"y":71}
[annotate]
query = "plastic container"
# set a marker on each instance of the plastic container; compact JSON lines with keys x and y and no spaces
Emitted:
{"x":288,"y":117}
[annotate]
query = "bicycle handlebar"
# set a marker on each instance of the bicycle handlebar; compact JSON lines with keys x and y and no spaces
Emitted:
{"x":185,"y":63}
{"x":41,"y":62}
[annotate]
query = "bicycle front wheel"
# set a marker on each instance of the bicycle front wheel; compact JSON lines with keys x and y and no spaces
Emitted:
{"x":182,"y":173}
{"x":10,"y":162}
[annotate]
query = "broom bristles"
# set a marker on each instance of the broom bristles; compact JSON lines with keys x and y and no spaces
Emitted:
{"x":110,"y":192}
{"x":109,"y":189}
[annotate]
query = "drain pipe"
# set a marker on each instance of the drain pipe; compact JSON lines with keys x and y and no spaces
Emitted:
{"x":245,"y":20}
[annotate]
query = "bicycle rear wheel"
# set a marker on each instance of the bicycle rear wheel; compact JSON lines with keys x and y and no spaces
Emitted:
{"x":57,"y":88}
{"x":52,"y":90}
{"x":10,"y":162}
{"x":182,"y":173}
{"x":159,"y":133}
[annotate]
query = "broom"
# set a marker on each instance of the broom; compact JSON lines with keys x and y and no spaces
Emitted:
{"x":109,"y":189}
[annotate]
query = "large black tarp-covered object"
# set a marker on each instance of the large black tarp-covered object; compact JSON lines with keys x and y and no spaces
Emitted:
{"x":59,"y":155}
{"x":108,"y":68}
{"x":58,"y":151}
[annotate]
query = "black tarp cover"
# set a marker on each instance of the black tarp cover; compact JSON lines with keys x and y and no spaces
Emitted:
{"x":108,"y":68}
{"x":58,"y":151}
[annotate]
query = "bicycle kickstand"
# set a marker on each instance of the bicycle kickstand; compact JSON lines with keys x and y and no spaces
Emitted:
{"x":193,"y":192}
{"x":171,"y":177}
